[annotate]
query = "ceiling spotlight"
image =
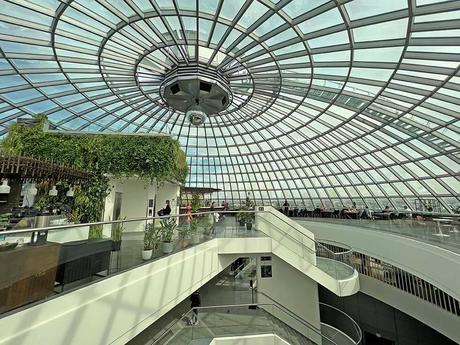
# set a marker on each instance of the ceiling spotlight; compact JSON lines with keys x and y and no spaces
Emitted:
{"x":196,"y":115}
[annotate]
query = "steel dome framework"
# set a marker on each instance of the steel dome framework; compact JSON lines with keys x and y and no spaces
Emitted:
{"x":333,"y":101}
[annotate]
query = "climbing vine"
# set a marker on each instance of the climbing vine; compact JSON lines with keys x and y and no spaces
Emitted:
{"x":150,"y":157}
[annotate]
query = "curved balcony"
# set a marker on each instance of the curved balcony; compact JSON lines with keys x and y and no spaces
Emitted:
{"x":335,"y":258}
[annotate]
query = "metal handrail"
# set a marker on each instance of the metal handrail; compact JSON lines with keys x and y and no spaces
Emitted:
{"x":348,"y":249}
{"x":297,"y":317}
{"x":300,"y":232}
{"x":276,"y":305}
{"x":295,"y":239}
{"x":70,"y":226}
{"x":355,"y":324}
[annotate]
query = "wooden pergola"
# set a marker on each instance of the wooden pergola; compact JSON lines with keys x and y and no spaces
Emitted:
{"x":23,"y":167}
{"x":188,"y":192}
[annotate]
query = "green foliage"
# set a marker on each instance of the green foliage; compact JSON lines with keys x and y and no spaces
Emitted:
{"x":152,"y":236}
{"x":145,"y":156}
{"x":196,"y":202}
{"x":194,"y":226}
{"x":184,"y":231}
{"x":149,"y":157}
{"x":89,"y":198}
{"x":74,"y":217}
{"x":203,"y":223}
{"x":95,"y":232}
{"x":247,"y":217}
{"x":167,"y":229}
{"x":117,"y":231}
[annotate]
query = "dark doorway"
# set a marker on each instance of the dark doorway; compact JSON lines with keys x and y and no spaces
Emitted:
{"x":372,"y":339}
{"x":116,"y":214}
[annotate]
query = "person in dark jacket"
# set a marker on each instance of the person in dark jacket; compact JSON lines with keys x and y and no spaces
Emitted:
{"x":195,"y":300}
{"x":165,"y":212}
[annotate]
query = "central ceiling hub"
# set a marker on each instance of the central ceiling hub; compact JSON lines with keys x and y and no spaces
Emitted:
{"x":194,"y":86}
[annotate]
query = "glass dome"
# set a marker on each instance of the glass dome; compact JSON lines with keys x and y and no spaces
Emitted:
{"x":332,"y":102}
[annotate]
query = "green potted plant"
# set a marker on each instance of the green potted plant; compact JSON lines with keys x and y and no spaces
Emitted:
{"x":195,"y":234}
{"x":183,"y":234}
{"x":240,"y":218}
{"x":95,"y":232}
{"x":167,"y":231}
{"x":247,"y":216}
{"x":196,"y":202}
{"x":117,"y":232}
{"x":152,"y":237}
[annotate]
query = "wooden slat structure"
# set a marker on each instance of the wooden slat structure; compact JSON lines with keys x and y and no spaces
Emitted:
{"x":199,"y":190}
{"x":23,"y":167}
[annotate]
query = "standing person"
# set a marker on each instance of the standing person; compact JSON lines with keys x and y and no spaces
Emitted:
{"x":189,"y":217}
{"x":195,"y":300}
{"x":215,"y":214}
{"x":286,"y":208}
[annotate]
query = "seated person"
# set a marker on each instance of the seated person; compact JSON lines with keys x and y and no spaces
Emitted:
{"x":407,"y":212}
{"x":317,"y":211}
{"x":365,"y":213}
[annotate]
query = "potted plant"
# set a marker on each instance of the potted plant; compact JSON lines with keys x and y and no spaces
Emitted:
{"x":196,"y":203}
{"x":240,"y":219}
{"x":195,"y":235}
{"x":95,"y":232}
{"x":247,"y":216}
{"x":183,"y":233}
{"x":147,"y":250}
{"x":152,"y":237}
{"x":167,"y":231}
{"x":117,"y":231}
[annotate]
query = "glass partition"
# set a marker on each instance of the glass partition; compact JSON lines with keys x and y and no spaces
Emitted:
{"x":42,"y":262}
{"x":206,"y":323}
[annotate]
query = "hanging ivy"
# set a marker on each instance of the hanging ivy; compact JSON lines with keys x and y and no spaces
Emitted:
{"x":149,"y":157}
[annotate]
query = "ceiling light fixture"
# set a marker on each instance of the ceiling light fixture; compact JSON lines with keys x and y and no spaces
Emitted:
{"x":4,"y":188}
{"x":53,"y":191}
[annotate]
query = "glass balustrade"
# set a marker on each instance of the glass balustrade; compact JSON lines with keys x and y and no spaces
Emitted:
{"x":207,"y":323}
{"x":41,"y":263}
{"x":444,"y":235}
{"x":51,"y":260}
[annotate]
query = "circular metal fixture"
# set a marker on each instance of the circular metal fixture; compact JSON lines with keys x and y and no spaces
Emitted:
{"x":187,"y":86}
{"x":196,"y":116}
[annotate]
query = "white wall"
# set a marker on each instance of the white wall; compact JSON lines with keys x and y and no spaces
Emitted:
{"x":168,"y":191}
{"x":134,"y":202}
{"x":430,"y":262}
{"x":114,"y":310}
{"x":294,"y":291}
{"x":295,"y":244}
{"x":135,"y":195}
{"x":287,"y":232}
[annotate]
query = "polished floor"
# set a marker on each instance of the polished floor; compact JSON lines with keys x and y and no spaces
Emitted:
{"x":442,"y":236}
{"x":173,"y":328}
